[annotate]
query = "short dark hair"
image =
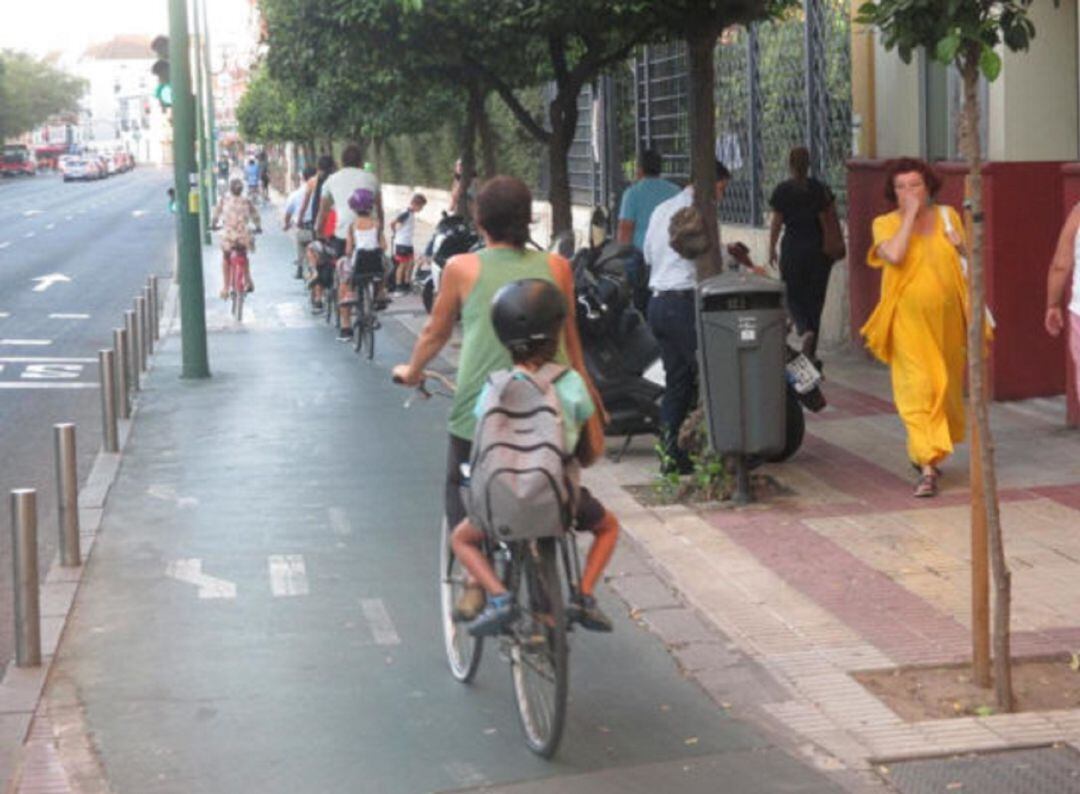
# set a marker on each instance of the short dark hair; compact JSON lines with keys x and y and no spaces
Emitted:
{"x":309,"y":171}
{"x":326,"y":164}
{"x":910,"y":165}
{"x":504,"y":210}
{"x":722,"y":173}
{"x":799,"y":162}
{"x":353,"y":156}
{"x":536,"y":351}
{"x":650,"y":162}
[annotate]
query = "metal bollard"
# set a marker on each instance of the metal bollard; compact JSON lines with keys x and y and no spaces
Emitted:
{"x":131,"y":325}
{"x":148,"y":303}
{"x":24,"y":552}
{"x":155,"y":309}
{"x":120,"y":352}
{"x":67,"y":494}
{"x":106,"y":362}
{"x":143,"y":330}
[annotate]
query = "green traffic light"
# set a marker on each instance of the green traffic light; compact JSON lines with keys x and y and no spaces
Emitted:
{"x":163,"y":94}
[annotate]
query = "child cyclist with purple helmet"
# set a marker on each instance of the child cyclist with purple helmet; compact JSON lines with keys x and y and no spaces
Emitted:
{"x":364,"y":247}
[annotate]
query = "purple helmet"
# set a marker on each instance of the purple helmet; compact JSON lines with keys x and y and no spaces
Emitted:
{"x":362,"y":201}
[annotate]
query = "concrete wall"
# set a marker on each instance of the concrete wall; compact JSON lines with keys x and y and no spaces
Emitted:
{"x":898,"y":104}
{"x":1033,"y":104}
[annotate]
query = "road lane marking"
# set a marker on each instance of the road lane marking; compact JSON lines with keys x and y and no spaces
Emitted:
{"x":50,"y":359}
{"x":32,"y":213}
{"x":50,"y":226}
{"x":26,"y":384}
{"x":44,"y":282}
{"x":288,"y":575}
{"x":62,"y":316}
{"x":26,"y":342}
{"x":4,"y":314}
{"x":51,"y":371}
{"x":69,"y":217}
{"x":339,"y":522}
{"x":168,"y":494}
{"x":190,"y":572}
{"x":28,"y":235}
{"x":4,"y":245}
{"x":137,"y":213}
{"x":382,"y":628}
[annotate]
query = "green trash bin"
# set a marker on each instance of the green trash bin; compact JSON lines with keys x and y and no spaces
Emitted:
{"x":742,"y":325}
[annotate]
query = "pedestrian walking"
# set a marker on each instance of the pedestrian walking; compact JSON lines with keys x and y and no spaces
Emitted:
{"x":798,"y":203}
{"x":919,"y":325}
{"x":1063,"y":269}
{"x":672,"y":280}
{"x":639,"y":200}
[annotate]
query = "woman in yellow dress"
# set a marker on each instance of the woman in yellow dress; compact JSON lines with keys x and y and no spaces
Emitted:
{"x":919,"y":325}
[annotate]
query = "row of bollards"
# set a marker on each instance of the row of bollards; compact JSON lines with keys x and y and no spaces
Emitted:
{"x":119,"y":370}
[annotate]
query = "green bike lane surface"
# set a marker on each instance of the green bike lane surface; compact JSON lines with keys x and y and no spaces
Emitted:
{"x":260,"y":612}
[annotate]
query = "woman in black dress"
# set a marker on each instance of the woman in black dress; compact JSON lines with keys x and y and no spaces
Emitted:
{"x":797,"y":204}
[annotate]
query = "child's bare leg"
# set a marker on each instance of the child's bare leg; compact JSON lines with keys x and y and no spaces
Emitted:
{"x":466,"y":541}
{"x":606,"y":533}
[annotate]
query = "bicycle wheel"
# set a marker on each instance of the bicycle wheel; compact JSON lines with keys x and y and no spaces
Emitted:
{"x":538,"y":649}
{"x":358,"y":317}
{"x":462,"y":649}
{"x":367,"y":299}
{"x":238,"y":304}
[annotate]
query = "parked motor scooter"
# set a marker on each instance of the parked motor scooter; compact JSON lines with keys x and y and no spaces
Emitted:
{"x":453,"y":235}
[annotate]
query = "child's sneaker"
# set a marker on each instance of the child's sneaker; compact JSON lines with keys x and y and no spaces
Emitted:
{"x":469,"y":603}
{"x":584,"y":610}
{"x":500,"y":610}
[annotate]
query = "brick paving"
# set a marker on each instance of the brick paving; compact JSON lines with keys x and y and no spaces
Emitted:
{"x":840,"y":569}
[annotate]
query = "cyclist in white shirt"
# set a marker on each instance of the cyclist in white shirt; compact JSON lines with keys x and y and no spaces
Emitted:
{"x":403,"y":228}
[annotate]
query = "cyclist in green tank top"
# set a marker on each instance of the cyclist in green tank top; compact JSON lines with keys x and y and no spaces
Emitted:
{"x":503,"y":213}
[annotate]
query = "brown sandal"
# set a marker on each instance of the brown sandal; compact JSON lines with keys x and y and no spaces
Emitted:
{"x":926,"y":486}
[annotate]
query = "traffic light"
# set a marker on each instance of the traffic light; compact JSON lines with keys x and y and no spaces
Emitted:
{"x":160,"y":69}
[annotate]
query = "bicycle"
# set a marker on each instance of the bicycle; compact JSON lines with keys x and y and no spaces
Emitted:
{"x":364,"y":320}
{"x":238,"y":263}
{"x":535,"y":643}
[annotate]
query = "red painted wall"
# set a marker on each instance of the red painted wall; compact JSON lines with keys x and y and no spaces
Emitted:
{"x":1070,"y":184}
{"x":1022,"y":204}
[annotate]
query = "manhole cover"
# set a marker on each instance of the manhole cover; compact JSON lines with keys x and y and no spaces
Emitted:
{"x":1046,"y":770}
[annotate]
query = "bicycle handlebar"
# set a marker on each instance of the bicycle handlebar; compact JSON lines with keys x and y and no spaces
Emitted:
{"x":421,"y":390}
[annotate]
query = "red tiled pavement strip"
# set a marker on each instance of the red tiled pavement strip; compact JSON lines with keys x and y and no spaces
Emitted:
{"x":42,"y":772}
{"x":895,"y":620}
{"x":845,"y":403}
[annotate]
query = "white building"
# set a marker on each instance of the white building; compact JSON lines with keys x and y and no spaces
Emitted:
{"x":120,"y":111}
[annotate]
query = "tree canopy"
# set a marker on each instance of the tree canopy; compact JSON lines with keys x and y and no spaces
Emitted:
{"x":31,"y":91}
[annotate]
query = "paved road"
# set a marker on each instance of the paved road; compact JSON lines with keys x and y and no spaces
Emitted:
{"x":260,"y":611}
{"x":105,"y":237}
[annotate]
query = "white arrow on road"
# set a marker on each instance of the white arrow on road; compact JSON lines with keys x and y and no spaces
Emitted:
{"x":44,"y":282}
{"x":190,"y":572}
{"x":32,"y":213}
{"x":137,"y":213}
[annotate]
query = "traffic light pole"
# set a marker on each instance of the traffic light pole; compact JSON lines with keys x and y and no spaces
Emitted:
{"x":211,"y":126}
{"x":200,"y":126}
{"x":195,"y":363}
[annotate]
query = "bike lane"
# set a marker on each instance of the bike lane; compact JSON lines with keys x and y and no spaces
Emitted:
{"x":260,"y":609}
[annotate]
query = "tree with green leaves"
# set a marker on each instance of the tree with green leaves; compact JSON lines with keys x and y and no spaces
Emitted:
{"x":32,"y":91}
{"x":967,"y":34}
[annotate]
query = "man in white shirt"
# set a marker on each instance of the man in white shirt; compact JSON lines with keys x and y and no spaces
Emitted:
{"x":672,"y":282}
{"x":336,"y":191}
{"x":292,"y":218}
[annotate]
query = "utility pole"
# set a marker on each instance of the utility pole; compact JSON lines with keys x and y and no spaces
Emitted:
{"x":200,"y":124}
{"x":189,"y":250}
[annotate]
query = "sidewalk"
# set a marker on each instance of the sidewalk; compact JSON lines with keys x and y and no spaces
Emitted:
{"x":841,"y":570}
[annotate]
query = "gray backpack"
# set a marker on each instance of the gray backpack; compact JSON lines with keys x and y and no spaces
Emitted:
{"x":521,"y":485}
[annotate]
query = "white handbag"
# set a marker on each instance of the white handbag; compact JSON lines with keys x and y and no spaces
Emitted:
{"x":945,"y":219}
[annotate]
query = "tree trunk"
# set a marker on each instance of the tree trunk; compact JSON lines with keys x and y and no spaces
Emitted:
{"x":377,"y":149}
{"x":473,"y":109}
{"x":700,"y":49}
{"x":980,"y":419}
{"x":487,"y":143}
{"x":563,"y":113}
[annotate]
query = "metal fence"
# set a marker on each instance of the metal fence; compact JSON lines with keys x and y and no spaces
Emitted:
{"x":778,"y":85}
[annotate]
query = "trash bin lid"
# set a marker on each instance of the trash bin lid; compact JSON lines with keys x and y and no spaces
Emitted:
{"x":738,"y":283}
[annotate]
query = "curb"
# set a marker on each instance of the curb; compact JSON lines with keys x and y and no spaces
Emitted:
{"x":21,"y":688}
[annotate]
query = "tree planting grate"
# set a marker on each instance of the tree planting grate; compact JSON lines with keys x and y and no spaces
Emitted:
{"x":1045,"y":770}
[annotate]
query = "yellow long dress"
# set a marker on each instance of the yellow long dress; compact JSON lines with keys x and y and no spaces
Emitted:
{"x":919,"y":329}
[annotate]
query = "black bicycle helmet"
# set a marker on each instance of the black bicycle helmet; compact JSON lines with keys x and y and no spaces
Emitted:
{"x":527,"y":311}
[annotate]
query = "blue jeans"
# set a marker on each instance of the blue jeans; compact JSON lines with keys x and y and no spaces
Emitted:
{"x":671,"y":317}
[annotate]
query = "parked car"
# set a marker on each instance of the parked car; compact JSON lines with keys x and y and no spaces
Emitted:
{"x":17,"y":160}
{"x":81,"y":170}
{"x":65,"y":160}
